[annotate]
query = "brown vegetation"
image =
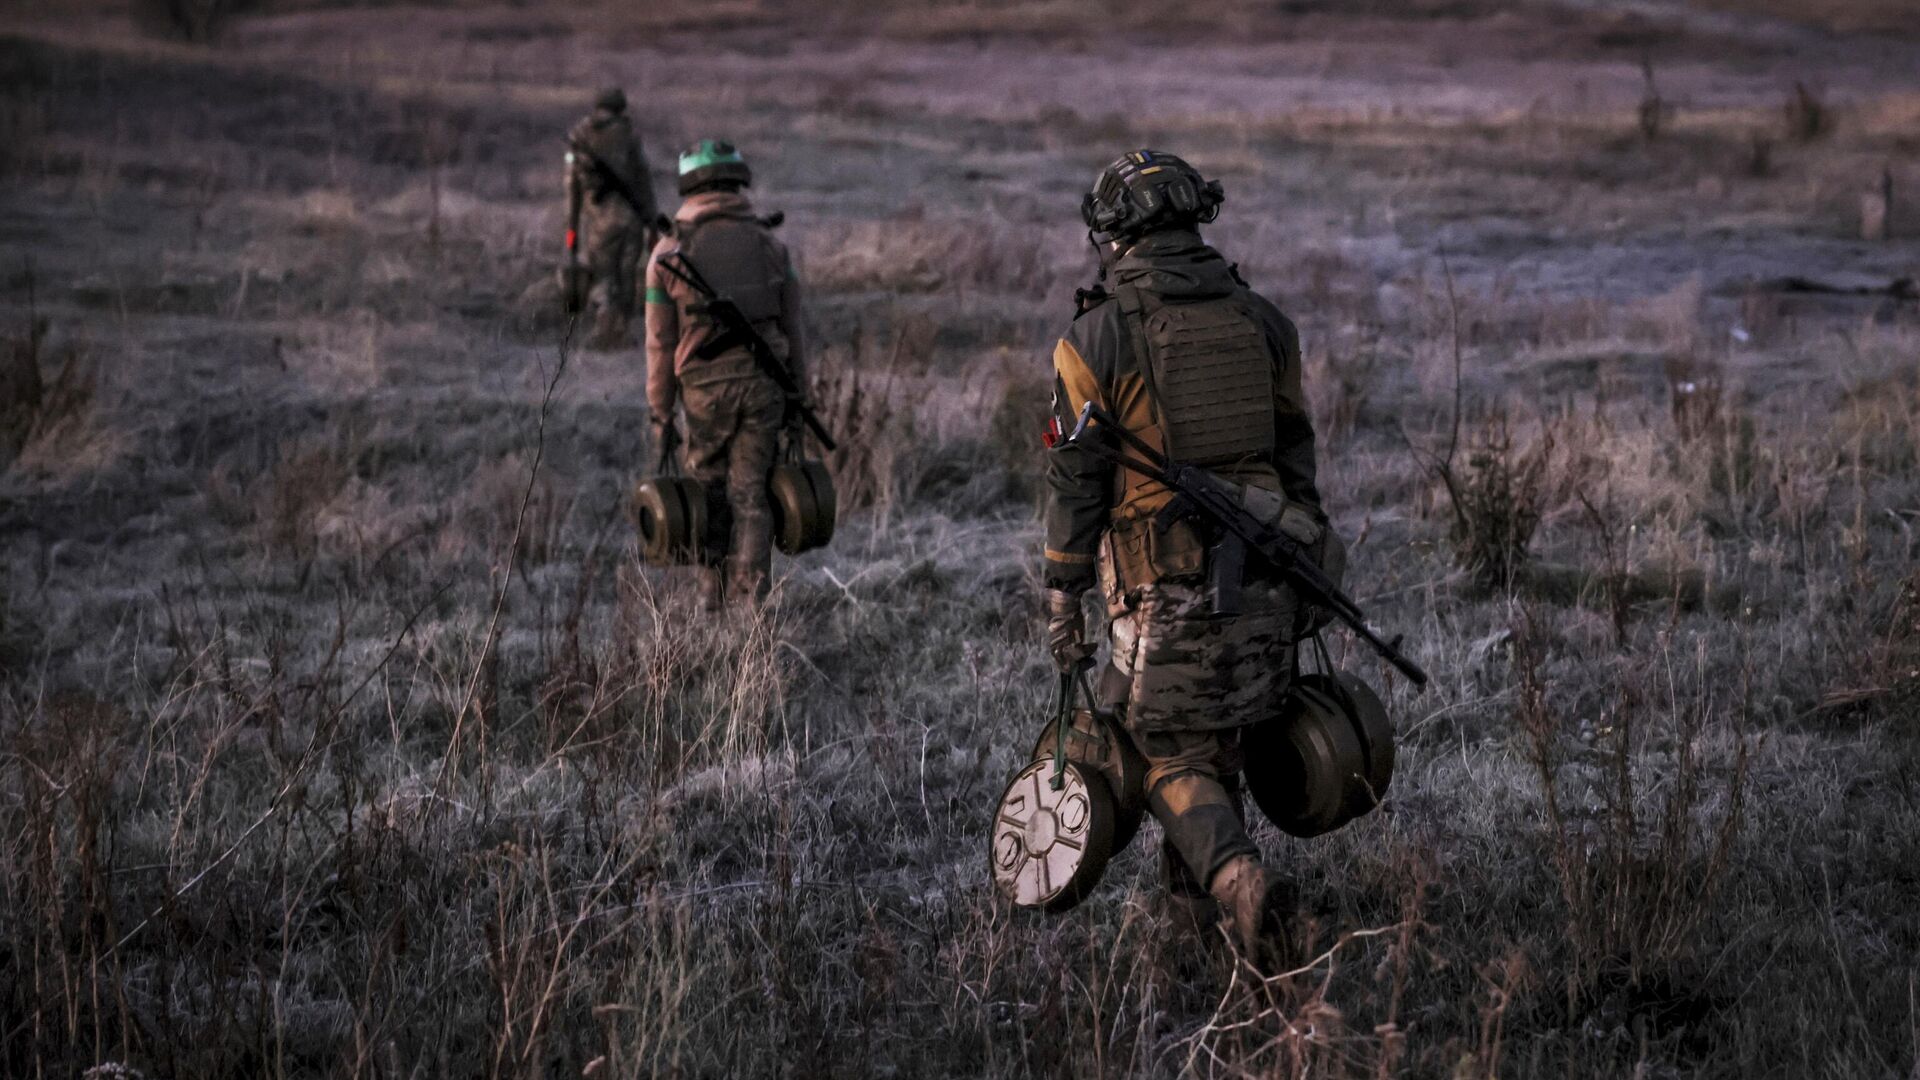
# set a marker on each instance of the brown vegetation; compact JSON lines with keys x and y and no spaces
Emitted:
{"x":341,"y":733}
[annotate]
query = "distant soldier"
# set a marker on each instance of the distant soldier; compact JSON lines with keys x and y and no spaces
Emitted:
{"x":735,"y":411}
{"x":1206,"y":370}
{"x":611,"y":208}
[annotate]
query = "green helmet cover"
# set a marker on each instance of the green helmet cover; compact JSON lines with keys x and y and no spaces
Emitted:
{"x":711,"y":161}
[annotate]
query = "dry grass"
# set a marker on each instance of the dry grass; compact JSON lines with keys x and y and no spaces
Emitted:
{"x":342,"y":734}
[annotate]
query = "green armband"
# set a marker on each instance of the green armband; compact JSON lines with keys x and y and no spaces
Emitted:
{"x":658,"y":296}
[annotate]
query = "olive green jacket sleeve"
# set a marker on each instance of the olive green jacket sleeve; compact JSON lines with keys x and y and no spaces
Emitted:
{"x":1079,"y":485}
{"x":663,"y":338}
{"x":1293,"y":441}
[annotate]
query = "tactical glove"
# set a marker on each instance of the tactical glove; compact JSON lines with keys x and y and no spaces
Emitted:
{"x":666,"y":441}
{"x":1299,"y":523}
{"x":1067,"y":630}
{"x":792,"y":419}
{"x":1330,"y":555}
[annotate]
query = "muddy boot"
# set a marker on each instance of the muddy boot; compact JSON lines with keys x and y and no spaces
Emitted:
{"x":1186,"y":906}
{"x":1190,"y":917}
{"x":1256,"y":906}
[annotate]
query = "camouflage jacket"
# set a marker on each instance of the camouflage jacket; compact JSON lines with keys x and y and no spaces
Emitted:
{"x":609,"y":139}
{"x":1095,"y":361}
{"x":675,"y":331}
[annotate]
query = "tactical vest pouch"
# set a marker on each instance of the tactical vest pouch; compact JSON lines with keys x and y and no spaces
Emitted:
{"x":1144,"y":553}
{"x":1212,"y":380}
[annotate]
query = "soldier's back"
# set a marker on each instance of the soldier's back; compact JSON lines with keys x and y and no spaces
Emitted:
{"x":611,"y":141}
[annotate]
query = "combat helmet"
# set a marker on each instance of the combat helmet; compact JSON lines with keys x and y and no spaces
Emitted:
{"x":1147,"y":190}
{"x":712,"y":161}
{"x":612,"y":99}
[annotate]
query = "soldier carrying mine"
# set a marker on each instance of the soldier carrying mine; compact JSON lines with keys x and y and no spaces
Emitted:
{"x":611,"y":208}
{"x":1181,"y":353}
{"x":722,"y":262}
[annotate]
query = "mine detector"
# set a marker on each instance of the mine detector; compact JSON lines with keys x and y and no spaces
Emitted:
{"x":1325,"y":759}
{"x":676,"y":515}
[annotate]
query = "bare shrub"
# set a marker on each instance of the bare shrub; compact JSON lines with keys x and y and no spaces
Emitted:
{"x":21,"y":391}
{"x":703,"y":693}
{"x":492,"y":508}
{"x":1019,"y":412}
{"x":1343,"y":388}
{"x":858,"y":408}
{"x":1497,"y":498}
{"x":43,"y":417}
{"x":1639,"y":857}
{"x":290,"y":497}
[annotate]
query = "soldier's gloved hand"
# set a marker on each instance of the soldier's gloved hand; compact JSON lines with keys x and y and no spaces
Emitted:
{"x":1067,"y":630}
{"x":1301,"y":525}
{"x":666,"y":440}
{"x":1330,"y":554}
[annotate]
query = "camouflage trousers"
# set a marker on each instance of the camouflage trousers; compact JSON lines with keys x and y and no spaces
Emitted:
{"x":616,"y":247}
{"x":1193,"y":791}
{"x":1190,"y":683}
{"x":733,"y":433}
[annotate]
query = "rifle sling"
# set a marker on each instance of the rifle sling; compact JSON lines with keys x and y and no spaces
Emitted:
{"x":611,"y":180}
{"x":734,"y":332}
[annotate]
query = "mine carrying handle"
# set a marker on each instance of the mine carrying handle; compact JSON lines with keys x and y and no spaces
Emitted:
{"x":1205,"y":496}
{"x":737,"y":330}
{"x":1070,"y":681}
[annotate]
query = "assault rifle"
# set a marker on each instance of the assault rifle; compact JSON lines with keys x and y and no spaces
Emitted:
{"x":614,"y":182}
{"x":736,"y":331}
{"x":1200,"y":495}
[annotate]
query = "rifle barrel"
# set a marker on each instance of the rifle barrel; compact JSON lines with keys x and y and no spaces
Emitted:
{"x":1280,"y":550}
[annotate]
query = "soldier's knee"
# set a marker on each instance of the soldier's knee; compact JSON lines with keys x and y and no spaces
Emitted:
{"x":1185,"y":790}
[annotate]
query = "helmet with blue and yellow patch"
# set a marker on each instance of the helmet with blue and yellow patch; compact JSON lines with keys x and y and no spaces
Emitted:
{"x":1147,"y":190}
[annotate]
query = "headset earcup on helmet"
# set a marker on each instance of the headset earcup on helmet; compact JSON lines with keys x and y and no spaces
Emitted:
{"x":1147,"y":189}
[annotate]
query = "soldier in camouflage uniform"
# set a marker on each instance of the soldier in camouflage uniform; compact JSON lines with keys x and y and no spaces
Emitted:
{"x":735,"y":412}
{"x":611,"y":208}
{"x":1198,"y":365}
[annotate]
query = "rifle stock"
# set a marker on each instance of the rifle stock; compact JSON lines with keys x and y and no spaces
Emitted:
{"x":1201,"y":494}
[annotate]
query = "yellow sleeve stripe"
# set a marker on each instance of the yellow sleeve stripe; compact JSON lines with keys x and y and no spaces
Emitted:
{"x":1077,"y":378}
{"x":1069,"y":558}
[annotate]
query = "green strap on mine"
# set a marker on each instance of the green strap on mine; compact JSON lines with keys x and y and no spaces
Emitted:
{"x":1063,"y":718}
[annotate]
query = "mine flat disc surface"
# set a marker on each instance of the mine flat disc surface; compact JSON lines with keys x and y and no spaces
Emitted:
{"x":1050,"y":847}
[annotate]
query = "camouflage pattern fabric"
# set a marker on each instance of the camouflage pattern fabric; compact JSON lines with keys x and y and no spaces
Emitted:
{"x":1193,"y":791}
{"x":1189,"y":671}
{"x":616,"y":236}
{"x":615,"y":246}
{"x":733,"y":434}
{"x":676,"y":331}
